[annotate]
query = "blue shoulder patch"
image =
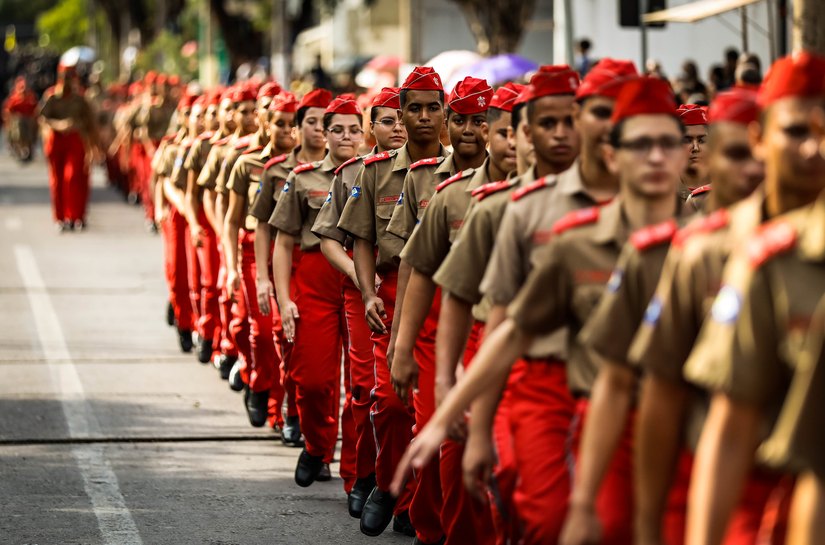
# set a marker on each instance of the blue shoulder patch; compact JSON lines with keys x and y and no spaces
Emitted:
{"x":356,"y":192}
{"x":400,"y":200}
{"x":329,"y":198}
{"x":653,"y":311}
{"x":615,"y":281}
{"x":286,"y":187}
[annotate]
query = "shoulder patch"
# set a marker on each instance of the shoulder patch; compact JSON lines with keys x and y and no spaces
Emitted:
{"x":576,"y":218}
{"x":383,"y":156}
{"x":712,"y":222}
{"x":206,"y":135}
{"x":770,"y":240}
{"x":242,"y":143}
{"x":654,"y":235}
{"x":531,"y":187}
{"x":426,"y":162}
{"x":484,"y":191}
{"x":700,"y":190}
{"x":253,"y":150}
{"x":347,"y":163}
{"x":454,"y":178}
{"x":306,"y":167}
{"x":275,"y":160}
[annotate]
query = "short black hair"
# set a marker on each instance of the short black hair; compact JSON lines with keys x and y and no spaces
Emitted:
{"x":494,"y":114}
{"x":616,"y":131}
{"x":328,"y":119}
{"x":402,"y":96}
{"x":518,"y":111}
{"x":300,"y":114}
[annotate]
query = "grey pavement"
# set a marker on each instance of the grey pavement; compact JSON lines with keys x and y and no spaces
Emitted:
{"x":108,"y":434}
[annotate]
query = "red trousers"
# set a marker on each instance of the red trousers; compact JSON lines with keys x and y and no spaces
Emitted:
{"x":361,"y":379}
{"x":194,"y":273}
{"x":265,"y":367}
{"x":392,"y":421}
{"x":315,"y":361}
{"x":425,"y":508}
{"x":68,"y":175}
{"x":140,"y":176}
{"x":209,"y":263}
{"x":234,"y":321}
{"x":175,"y":235}
{"x":614,"y":504}
{"x":284,"y":348}
{"x":349,"y":442}
{"x":761,"y":516}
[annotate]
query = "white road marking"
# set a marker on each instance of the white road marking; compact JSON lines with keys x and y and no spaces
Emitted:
{"x":99,"y":480}
{"x":13,"y":223}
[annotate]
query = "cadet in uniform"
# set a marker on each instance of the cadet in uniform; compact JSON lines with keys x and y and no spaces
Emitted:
{"x":365,"y":217}
{"x":695,"y":120}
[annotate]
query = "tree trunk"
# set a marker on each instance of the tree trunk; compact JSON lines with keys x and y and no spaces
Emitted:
{"x":242,"y":42}
{"x":497,"y":26}
{"x":809,"y":26}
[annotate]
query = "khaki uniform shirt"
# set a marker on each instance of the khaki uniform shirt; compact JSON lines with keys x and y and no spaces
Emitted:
{"x":326,"y":224}
{"x":167,"y":155}
{"x":209,"y":173}
{"x":304,"y":192}
{"x":274,"y":175}
{"x":435,"y":234}
{"x":156,"y":117}
{"x":526,"y":226}
{"x":419,"y":187}
{"x":255,"y":141}
{"x":196,"y":158}
{"x":179,"y":172}
{"x":69,"y":106}
{"x":568,"y":281}
{"x":245,"y":180}
{"x":371,"y":203}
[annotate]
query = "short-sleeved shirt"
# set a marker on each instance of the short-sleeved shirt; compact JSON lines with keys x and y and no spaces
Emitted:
{"x":443,"y":219}
{"x":419,"y":187}
{"x":209,"y":173}
{"x":274,"y":175}
{"x":245,"y":180}
{"x":196,"y":158}
{"x":568,"y":281}
{"x":155,"y":116}
{"x":233,"y":153}
{"x":526,"y":226}
{"x":304,"y":192}
{"x":371,"y":203}
{"x":326,"y":224}
{"x":178,"y":175}
{"x":69,"y":106}
{"x":167,"y":155}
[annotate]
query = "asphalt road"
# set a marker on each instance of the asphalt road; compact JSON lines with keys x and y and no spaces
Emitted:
{"x":108,"y":434}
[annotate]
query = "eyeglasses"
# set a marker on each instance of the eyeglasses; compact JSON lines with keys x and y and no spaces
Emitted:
{"x":644,"y":145}
{"x":388,"y":122}
{"x":338,"y":130}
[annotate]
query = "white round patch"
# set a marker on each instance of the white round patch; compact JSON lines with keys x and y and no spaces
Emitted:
{"x":727,"y":305}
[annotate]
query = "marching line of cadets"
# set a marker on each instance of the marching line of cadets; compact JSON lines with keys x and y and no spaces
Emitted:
{"x":595,"y":318}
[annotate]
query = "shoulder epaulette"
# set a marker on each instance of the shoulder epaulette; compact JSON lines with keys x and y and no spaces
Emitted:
{"x":576,"y":218}
{"x":700,"y":190}
{"x":306,"y":167}
{"x":167,"y":137}
{"x":531,"y":187}
{"x":206,"y":135}
{"x":242,"y":143}
{"x":347,"y":163}
{"x":454,"y":178}
{"x":770,"y":240}
{"x":484,"y":191}
{"x":712,"y":222}
{"x":383,"y":156}
{"x":275,"y":160}
{"x":253,"y":150}
{"x":654,"y":235}
{"x":223,"y":141}
{"x":425,"y":162}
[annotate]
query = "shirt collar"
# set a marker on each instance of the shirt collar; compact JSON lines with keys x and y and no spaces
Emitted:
{"x":612,"y":225}
{"x":402,"y":159}
{"x":328,"y":164}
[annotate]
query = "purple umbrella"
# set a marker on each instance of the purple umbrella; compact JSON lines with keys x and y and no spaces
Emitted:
{"x":501,"y":68}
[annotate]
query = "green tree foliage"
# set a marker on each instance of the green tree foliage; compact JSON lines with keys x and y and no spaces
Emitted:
{"x":66,"y":24}
{"x":164,"y":55}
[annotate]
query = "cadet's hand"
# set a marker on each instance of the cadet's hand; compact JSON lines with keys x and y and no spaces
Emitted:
{"x":425,"y":445}
{"x":375,"y":314}
{"x":443,"y":385}
{"x":582,"y":527}
{"x":404,"y":372}
{"x":477,"y":464}
{"x":233,"y":282}
{"x":289,"y":314}
{"x":160,"y":214}
{"x":196,"y":235}
{"x":264,"y":290}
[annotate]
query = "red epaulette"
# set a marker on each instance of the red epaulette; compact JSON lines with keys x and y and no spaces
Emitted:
{"x":346,"y":163}
{"x":306,"y":167}
{"x":712,"y":222}
{"x":206,"y":135}
{"x":770,"y":240}
{"x":223,"y":141}
{"x":242,"y":143}
{"x":253,"y":150}
{"x":384,"y":155}
{"x":576,"y":218}
{"x":700,"y":190}
{"x":167,"y":137}
{"x":275,"y":160}
{"x":654,"y":235}
{"x":425,"y":162}
{"x":529,"y":188}
{"x":454,"y":178}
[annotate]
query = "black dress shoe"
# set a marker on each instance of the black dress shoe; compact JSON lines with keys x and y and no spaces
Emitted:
{"x":291,"y":434}
{"x":257,"y":407}
{"x":185,"y":339}
{"x":377,"y":512}
{"x":170,"y":314}
{"x":401,"y":524}
{"x":359,"y":494}
{"x":204,"y":350}
{"x":325,"y":474}
{"x":308,"y":468}
{"x":234,"y":376}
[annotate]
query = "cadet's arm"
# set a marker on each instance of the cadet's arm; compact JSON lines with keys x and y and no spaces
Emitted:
{"x":282,"y":272}
{"x":174,"y":195}
{"x":191,"y":199}
{"x":338,"y":258}
{"x":404,"y":271}
{"x":418,"y":299}
{"x":454,"y":324}
{"x":209,"y":211}
{"x":363,"y":255}
{"x":231,"y":227}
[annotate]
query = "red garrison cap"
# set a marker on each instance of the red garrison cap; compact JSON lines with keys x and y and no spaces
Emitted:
{"x":644,"y":96}
{"x":738,"y":105}
{"x":242,"y":94}
{"x":423,"y":78}
{"x":506,"y":96}
{"x":606,"y":78}
{"x":471,"y":96}
{"x":317,"y":98}
{"x":173,"y":80}
{"x":551,"y":80}
{"x":692,"y":114}
{"x":798,"y":75}
{"x":162,"y":79}
{"x":202,"y":100}
{"x":269,"y":89}
{"x":135,"y":88}
{"x":284,"y":102}
{"x":387,"y":98}
{"x":150,"y":77}
{"x":186,"y":101}
{"x":214,"y":97}
{"x":343,"y":104}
